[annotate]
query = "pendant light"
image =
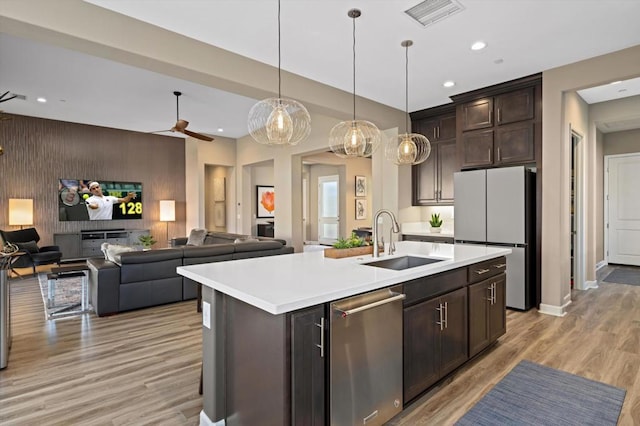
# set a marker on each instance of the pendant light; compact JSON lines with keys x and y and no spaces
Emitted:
{"x":279,"y":121}
{"x":355,"y":138}
{"x":408,"y":148}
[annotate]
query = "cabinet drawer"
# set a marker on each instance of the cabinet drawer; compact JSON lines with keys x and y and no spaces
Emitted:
{"x":483,"y":270}
{"x":424,"y":288}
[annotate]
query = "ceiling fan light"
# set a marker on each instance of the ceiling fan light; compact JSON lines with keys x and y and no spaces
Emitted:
{"x":279,"y":121}
{"x":351,"y":139}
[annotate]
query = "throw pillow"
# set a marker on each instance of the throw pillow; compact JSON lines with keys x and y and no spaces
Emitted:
{"x":104,"y":247}
{"x":246,"y":240}
{"x":197,"y":236}
{"x":115,"y":250}
{"x":29,"y":246}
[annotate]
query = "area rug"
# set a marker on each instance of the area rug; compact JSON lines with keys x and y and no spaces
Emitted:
{"x":629,"y":276}
{"x":532,"y":394}
{"x":68,"y":293}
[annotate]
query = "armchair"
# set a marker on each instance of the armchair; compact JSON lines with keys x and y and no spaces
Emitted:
{"x":27,"y":242}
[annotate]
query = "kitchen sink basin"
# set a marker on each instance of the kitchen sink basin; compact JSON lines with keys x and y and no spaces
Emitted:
{"x":404,"y":262}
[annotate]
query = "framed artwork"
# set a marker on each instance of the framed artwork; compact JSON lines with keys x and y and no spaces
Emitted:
{"x":265,"y":201}
{"x":361,"y":186}
{"x":361,"y":209}
{"x":218,"y":189}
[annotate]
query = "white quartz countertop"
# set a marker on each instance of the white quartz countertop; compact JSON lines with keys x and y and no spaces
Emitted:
{"x":285,"y":283}
{"x":423,"y":229}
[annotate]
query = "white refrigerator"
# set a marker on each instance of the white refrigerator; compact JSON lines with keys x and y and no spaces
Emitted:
{"x":496,"y":207}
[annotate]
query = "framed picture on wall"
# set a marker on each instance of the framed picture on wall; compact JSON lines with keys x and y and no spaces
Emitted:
{"x":361,"y":209}
{"x":265,"y":201}
{"x":361,"y":186}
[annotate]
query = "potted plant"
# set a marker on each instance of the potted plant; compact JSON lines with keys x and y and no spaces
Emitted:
{"x":435,"y":223}
{"x":147,"y":241}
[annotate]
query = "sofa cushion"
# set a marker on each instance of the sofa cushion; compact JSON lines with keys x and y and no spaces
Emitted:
{"x":29,"y":246}
{"x":246,"y":240}
{"x":257,"y":246}
{"x":196,"y":237}
{"x":151,"y":256}
{"x":206,"y":251}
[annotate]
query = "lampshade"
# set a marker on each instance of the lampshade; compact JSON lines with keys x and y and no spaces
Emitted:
{"x":279,"y":121}
{"x":355,"y":138}
{"x":408,"y":148}
{"x":20,"y":211}
{"x":167,"y":210}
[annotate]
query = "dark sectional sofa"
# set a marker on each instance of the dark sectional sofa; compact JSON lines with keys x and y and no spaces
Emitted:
{"x":149,"y":278}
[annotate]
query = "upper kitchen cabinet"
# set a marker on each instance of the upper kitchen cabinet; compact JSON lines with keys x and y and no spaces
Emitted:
{"x":500,"y":125}
{"x":432,"y":181}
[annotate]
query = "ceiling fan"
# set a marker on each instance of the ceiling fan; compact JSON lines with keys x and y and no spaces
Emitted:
{"x":181,"y":125}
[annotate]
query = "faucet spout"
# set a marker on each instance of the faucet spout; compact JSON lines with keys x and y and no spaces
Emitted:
{"x":394,"y":227}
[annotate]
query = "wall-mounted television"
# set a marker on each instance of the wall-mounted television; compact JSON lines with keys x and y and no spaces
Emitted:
{"x":89,"y":199}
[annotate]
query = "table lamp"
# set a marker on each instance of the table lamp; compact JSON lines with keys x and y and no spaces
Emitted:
{"x":20,"y":211}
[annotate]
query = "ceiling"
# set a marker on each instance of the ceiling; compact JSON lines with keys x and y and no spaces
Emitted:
{"x":523,"y":37}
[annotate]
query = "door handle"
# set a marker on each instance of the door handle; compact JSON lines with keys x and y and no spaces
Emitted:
{"x":481,"y":271}
{"x":369,"y":305}
{"x":500,"y":265}
{"x":446,"y":314}
{"x":321,"y":345}
{"x":440,"y":310}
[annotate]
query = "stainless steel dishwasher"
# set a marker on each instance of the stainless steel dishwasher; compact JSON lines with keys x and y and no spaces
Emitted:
{"x":366,"y":358}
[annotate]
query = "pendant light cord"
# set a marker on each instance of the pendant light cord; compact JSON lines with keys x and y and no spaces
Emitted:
{"x":354,"y":68}
{"x":406,"y":89}
{"x":279,"y":78}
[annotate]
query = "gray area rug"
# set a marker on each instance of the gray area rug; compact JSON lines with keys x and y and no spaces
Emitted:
{"x":624,"y":276}
{"x":532,"y":394}
{"x":67,"y":296}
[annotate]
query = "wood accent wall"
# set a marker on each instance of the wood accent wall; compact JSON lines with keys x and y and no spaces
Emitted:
{"x":38,"y":152}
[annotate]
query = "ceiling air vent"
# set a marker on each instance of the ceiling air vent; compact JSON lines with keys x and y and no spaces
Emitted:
{"x":431,"y":11}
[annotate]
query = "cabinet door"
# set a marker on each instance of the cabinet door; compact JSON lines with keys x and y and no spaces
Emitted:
{"x":427,"y":127}
{"x":515,"y":144}
{"x":424,"y":178}
{"x":447,"y":127}
{"x":448,"y":165}
{"x":477,"y":114}
{"x":421,"y":347}
{"x":498,"y":309}
{"x":307,"y":368}
{"x":477,"y":148}
{"x":515,"y":106}
{"x":453,"y":339}
{"x":479,"y":300}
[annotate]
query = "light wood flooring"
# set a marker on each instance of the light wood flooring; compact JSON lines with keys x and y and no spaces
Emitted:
{"x":143,"y":367}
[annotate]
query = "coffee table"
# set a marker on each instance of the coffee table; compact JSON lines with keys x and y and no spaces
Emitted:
{"x":65,"y":272}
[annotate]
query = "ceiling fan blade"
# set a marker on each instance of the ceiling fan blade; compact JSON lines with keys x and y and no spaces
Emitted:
{"x":197,"y":135}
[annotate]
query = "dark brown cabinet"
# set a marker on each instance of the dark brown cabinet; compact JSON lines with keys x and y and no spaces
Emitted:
{"x":266,"y":230}
{"x":308,"y":367}
{"x":435,"y":340}
{"x":487,"y":314}
{"x":432,"y":181}
{"x":500,"y":126}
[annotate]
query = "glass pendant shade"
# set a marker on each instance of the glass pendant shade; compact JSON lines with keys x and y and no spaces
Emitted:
{"x":357,"y":138}
{"x":277,"y":121}
{"x":408,"y":148}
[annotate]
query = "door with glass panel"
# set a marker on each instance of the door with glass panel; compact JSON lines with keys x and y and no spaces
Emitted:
{"x":328,"y":208}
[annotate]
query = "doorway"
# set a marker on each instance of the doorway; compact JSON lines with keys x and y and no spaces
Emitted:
{"x":622,"y":209}
{"x":328,"y":209}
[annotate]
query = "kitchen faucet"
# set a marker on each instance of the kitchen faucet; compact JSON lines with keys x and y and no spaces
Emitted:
{"x":394,"y":228}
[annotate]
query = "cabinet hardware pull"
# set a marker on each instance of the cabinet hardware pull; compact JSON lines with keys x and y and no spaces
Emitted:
{"x":438,"y":132}
{"x":499,"y":116}
{"x":493,"y":293}
{"x":499,"y":155}
{"x":446,"y":314}
{"x":321,"y":345}
{"x":500,"y":265}
{"x":481,"y":271}
{"x":490,"y":298}
{"x":440,"y":308}
{"x":344,"y":314}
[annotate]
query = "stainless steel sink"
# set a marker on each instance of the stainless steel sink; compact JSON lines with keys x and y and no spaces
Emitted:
{"x":404,"y":262}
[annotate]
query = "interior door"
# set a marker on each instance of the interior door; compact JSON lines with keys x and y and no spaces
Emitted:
{"x":328,"y":209}
{"x":623,"y":209}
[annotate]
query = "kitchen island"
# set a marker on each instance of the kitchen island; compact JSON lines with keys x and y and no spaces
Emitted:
{"x":264,"y":334}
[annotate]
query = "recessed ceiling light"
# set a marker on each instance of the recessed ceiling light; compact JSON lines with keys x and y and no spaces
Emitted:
{"x":220,"y":129}
{"x":616,"y":82}
{"x":42,"y":100}
{"x":449,"y":83}
{"x":478,"y":45}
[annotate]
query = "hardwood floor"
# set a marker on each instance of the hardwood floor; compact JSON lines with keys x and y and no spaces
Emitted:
{"x":143,"y":367}
{"x":135,"y":368}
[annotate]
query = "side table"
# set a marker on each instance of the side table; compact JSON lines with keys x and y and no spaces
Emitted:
{"x":61,"y":273}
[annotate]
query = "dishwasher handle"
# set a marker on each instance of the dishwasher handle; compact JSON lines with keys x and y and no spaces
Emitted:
{"x":396,"y":296}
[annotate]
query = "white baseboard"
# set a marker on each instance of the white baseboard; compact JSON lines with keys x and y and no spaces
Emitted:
{"x":206,"y":421}
{"x":601,"y":264}
{"x":591,"y":284}
{"x":557,"y":311}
